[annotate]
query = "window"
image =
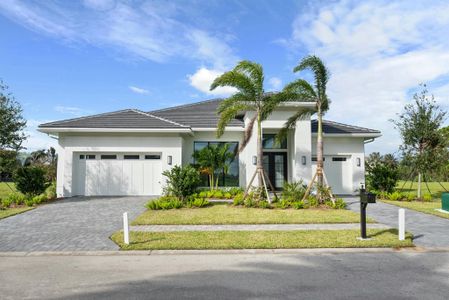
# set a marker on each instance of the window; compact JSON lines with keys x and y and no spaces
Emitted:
{"x":82,"y":156}
{"x":132,"y":156}
{"x":91,"y":156}
{"x":314,"y":158}
{"x":109,"y":156}
{"x":338,"y":158}
{"x":153,"y":156}
{"x":231,"y":177}
{"x":269,"y":142}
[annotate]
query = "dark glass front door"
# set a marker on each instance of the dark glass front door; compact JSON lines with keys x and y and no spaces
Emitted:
{"x":275,"y":165}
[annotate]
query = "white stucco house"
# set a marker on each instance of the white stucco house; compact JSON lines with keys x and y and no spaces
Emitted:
{"x":124,"y":152}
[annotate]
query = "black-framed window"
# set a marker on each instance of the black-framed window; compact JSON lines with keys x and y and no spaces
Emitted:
{"x":231,"y":178}
{"x":314,"y":158}
{"x":91,"y":156}
{"x":338,"y":158}
{"x":269,"y":142}
{"x":131,"y":156}
{"x":81,"y":156}
{"x":153,"y":156}
{"x":108,"y":156}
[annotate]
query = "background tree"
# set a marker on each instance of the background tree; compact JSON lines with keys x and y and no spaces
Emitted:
{"x":248,"y":78}
{"x":423,"y":143}
{"x":45,"y":159}
{"x":301,"y":90}
{"x":12,"y":122}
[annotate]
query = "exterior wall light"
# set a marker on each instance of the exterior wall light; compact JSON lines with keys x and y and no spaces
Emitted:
{"x":169,"y":160}
{"x":303,"y":160}
{"x":359,"y":162}
{"x":254,"y":160}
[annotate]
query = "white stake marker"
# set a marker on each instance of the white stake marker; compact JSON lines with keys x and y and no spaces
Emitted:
{"x":125,"y":228}
{"x":401,"y":224}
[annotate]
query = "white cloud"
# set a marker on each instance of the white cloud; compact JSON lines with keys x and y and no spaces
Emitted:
{"x":37,"y":140}
{"x":147,"y":30}
{"x":376,"y":51}
{"x":138,"y":90}
{"x":203,"y":78}
{"x":71,"y":110}
{"x":275,"y":83}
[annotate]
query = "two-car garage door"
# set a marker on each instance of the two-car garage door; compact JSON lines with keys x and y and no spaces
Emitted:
{"x":117,"y":174}
{"x":338,"y":170}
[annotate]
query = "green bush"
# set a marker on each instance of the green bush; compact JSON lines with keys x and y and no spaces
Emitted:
{"x":395,"y":196}
{"x":50,"y":192}
{"x":427,"y":197}
{"x":294,"y":190}
{"x":410,"y":197}
{"x":312,"y":201}
{"x":6,"y":203}
{"x":30,"y":180}
{"x":235,"y":191}
{"x":29,"y":202}
{"x":218,"y":194}
{"x":238,"y":200}
{"x":181,"y":181}
{"x":17,"y":198}
{"x":200,"y":202}
{"x":382,"y":176}
{"x":39,"y":199}
{"x":249,"y":202}
{"x":339,"y":204}
{"x":283,"y":204}
{"x":164,"y":202}
{"x":298,"y":204}
{"x":263,"y":204}
{"x":210,"y":194}
{"x":203,"y":194}
{"x":227,"y":195}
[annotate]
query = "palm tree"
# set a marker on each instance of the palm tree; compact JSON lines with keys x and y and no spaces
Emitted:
{"x":248,"y":78}
{"x":301,"y":90}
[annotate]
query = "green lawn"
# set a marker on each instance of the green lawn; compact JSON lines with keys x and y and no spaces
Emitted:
{"x":260,"y":239}
{"x":435,"y":188}
{"x":5,"y":190}
{"x":227,"y":214}
{"x":425,"y":207}
{"x":4,"y":213}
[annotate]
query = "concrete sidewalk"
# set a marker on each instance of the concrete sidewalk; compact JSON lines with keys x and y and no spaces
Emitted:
{"x":428,"y":230}
{"x":255,"y":227}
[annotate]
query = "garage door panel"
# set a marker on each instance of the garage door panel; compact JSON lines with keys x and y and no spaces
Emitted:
{"x":338,"y":173}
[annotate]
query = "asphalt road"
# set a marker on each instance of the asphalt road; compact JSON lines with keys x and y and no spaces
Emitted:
{"x":228,"y":276}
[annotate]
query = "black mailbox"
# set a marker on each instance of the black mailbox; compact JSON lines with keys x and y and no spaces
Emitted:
{"x":367,"y":197}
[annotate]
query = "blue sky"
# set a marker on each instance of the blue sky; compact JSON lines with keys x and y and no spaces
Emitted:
{"x":65,"y":59}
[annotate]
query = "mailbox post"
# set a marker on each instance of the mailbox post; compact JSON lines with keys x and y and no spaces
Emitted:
{"x":365,"y":198}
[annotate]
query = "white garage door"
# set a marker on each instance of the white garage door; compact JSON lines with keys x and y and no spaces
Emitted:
{"x":338,"y":173}
{"x":117,"y":174}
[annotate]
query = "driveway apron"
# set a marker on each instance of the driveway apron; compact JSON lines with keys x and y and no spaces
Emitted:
{"x":73,"y":224}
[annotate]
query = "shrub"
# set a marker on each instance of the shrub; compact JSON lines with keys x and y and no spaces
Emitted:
{"x":29,"y":202}
{"x":202,"y":194}
{"x":227,"y":195}
{"x":218,"y":194}
{"x":312,"y":201}
{"x":210,"y":194}
{"x":382,"y":175}
{"x":50,"y":192}
{"x":283,"y":204}
{"x":263,"y":204}
{"x":6,"y":203}
{"x":181,"y":181}
{"x":410,"y":197}
{"x":339,"y":204}
{"x":30,"y":180}
{"x":17,"y":198}
{"x":238,"y":199}
{"x":427,"y":197}
{"x":165,"y":202}
{"x":235,"y":191}
{"x":39,"y":199}
{"x":298,"y":204}
{"x":294,"y":190}
{"x":200,"y":202}
{"x":249,"y":202}
{"x":395,"y":196}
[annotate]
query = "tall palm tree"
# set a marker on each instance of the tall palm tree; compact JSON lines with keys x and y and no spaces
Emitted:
{"x":301,"y":90}
{"x":248,"y":78}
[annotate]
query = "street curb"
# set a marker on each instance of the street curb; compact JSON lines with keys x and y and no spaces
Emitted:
{"x":226,"y":252}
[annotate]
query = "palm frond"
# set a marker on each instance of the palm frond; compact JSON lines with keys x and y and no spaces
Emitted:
{"x":254,"y":72}
{"x":237,"y":98}
{"x":301,"y":90}
{"x":228,"y":115}
{"x":248,"y":133}
{"x":235,"y":79}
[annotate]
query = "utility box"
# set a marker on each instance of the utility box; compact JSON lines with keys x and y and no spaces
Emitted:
{"x":445,"y":201}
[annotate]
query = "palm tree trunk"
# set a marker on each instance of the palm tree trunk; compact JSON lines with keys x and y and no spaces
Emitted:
{"x":319,"y":153}
{"x":259,"y":148}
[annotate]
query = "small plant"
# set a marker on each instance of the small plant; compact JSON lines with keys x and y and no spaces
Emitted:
{"x":395,"y":196}
{"x":218,"y":194}
{"x":298,"y":204}
{"x":339,"y":204}
{"x":227,"y":195}
{"x":210,"y":194}
{"x":203,"y":194}
{"x":29,"y":202}
{"x":17,"y":198}
{"x":165,"y":202}
{"x":249,"y":202}
{"x":263,"y":204}
{"x":200,"y":202}
{"x":294,"y":190}
{"x":283,"y":204}
{"x":238,"y":200}
{"x":427,"y":198}
{"x":50,"y":192}
{"x":312,"y":201}
{"x":235,"y":191}
{"x":39,"y":199}
{"x":410,"y":197}
{"x":6,"y":203}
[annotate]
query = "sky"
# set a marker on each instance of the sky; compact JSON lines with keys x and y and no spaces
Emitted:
{"x":65,"y":59}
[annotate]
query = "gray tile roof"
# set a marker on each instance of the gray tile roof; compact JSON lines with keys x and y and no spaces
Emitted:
{"x":196,"y":115}
{"x":340,"y":128}
{"x":128,"y":118}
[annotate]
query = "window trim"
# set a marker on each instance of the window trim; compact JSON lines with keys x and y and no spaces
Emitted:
{"x":108,"y":156}
{"x":131,"y":156}
{"x":147,"y":156}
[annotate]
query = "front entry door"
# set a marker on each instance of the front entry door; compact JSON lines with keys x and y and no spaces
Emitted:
{"x":275,"y":165}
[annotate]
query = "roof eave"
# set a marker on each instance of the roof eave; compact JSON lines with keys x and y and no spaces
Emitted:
{"x":367,"y":135}
{"x":69,"y":129}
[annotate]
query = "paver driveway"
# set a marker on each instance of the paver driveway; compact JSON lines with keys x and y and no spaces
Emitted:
{"x":78,"y":223}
